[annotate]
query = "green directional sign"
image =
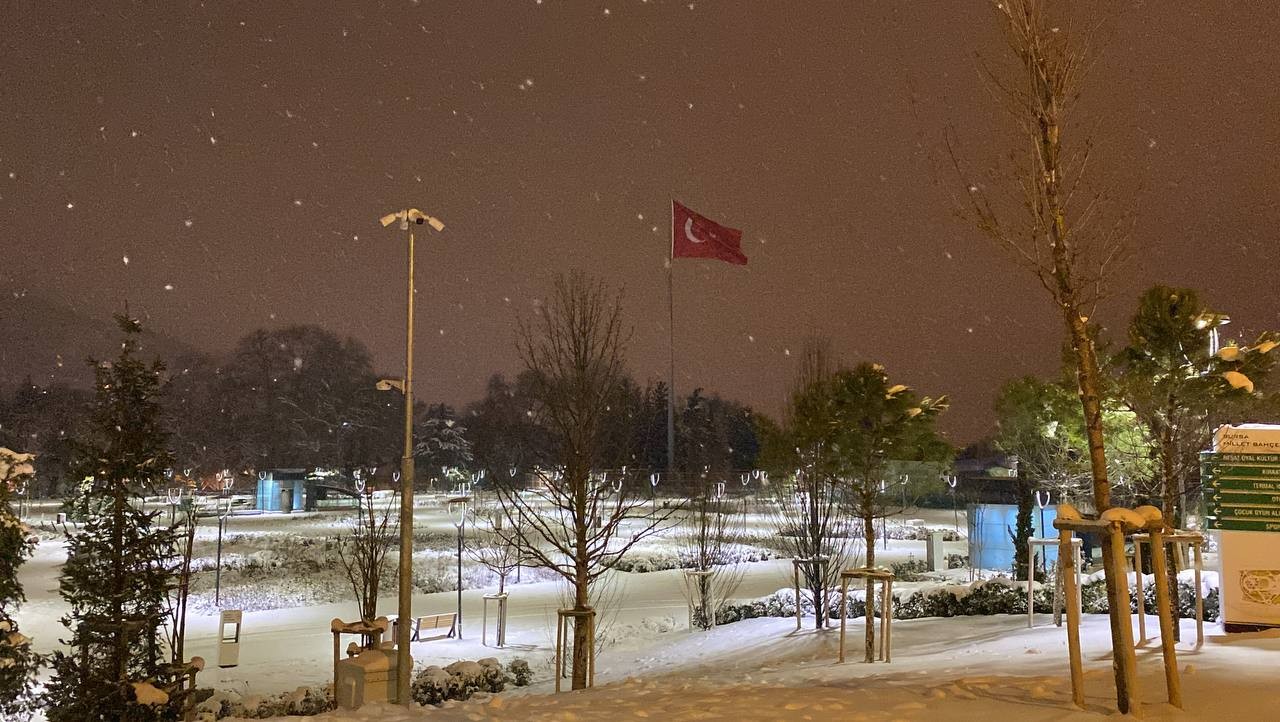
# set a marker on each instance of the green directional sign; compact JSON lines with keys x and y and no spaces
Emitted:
{"x":1244,"y":511}
{"x":1246,"y":459}
{"x":1224,"y":496}
{"x":1260,"y":486}
{"x":1223,"y":470}
{"x":1232,"y":524}
{"x":1242,"y":491}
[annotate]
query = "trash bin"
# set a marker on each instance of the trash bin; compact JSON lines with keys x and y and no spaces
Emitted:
{"x":229,"y":640}
{"x":368,"y":677}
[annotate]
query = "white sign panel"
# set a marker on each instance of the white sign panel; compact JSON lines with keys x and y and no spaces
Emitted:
{"x":1249,"y":561}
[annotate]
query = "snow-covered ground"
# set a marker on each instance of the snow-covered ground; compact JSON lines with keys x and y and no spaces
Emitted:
{"x":970,"y":668}
{"x":650,"y":663}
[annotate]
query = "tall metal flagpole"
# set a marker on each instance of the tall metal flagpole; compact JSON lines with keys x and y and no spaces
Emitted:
{"x":671,"y":350}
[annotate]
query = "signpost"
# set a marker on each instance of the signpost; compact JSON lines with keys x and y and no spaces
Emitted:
{"x":1241,"y":480}
{"x":1242,"y":491}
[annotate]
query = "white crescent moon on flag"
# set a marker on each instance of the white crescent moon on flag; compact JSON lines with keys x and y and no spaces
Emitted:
{"x":688,"y":231}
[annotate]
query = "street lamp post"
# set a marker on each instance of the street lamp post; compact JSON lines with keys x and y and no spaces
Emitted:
{"x":458,"y":508}
{"x":225,"y":479}
{"x":405,"y":607}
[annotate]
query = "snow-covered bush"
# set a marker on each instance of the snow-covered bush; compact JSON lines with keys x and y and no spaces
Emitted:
{"x":911,"y":570}
{"x":999,"y":595}
{"x":303,"y":701}
{"x":521,"y":673}
{"x":460,"y":680}
{"x":920,"y":533}
{"x":641,"y":560}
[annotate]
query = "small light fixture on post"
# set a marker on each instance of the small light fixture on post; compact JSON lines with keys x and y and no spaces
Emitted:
{"x":1043,"y":497}
{"x":952,"y":480}
{"x":173,"y":495}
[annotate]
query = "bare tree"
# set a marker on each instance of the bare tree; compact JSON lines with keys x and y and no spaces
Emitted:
{"x":813,"y":525}
{"x":1059,"y":229}
{"x":498,"y":553}
{"x":363,"y":552}
{"x":574,"y":348}
{"x":176,"y":629}
{"x":710,"y":541}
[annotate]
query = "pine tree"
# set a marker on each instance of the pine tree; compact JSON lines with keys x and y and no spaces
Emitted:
{"x":18,"y":664}
{"x":120,"y":565}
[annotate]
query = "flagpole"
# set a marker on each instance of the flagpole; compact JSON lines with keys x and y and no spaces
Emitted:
{"x":671,"y":349}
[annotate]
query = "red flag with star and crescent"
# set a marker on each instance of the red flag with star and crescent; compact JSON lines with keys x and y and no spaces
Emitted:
{"x":693,"y":235}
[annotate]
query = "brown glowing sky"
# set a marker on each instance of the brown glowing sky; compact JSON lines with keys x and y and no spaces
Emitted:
{"x":241,"y":153}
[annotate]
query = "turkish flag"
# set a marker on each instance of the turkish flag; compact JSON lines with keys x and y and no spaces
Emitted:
{"x":693,"y":235}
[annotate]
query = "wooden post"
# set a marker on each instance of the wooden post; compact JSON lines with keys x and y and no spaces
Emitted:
{"x":1031,"y":606}
{"x":886,"y":614}
{"x":844,"y":612}
{"x":795,"y":567}
{"x":1199,"y":562}
{"x":559,"y":646}
{"x":1160,"y":570}
{"x":1070,"y":582}
{"x":1123,"y":660}
{"x":1138,"y":584}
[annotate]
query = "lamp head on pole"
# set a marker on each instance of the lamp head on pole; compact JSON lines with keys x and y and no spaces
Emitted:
{"x":411,"y":214}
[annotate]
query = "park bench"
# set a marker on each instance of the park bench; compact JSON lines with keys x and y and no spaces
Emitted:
{"x":427,"y":627}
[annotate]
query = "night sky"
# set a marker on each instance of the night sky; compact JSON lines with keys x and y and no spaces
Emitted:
{"x":222,"y":166}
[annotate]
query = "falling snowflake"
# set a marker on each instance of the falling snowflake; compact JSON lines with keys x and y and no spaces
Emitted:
{"x":297,"y":201}
{"x":187,"y":223}
{"x":168,"y":286}
{"x":126,"y":260}
{"x":70,"y":206}
{"x":213,"y":140}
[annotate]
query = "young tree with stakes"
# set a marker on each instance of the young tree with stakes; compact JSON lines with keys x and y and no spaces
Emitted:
{"x":863,"y":424}
{"x":1181,"y":386}
{"x":712,"y":531}
{"x":363,"y":551}
{"x":1056,"y":227}
{"x":575,"y":347}
{"x":120,"y":565}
